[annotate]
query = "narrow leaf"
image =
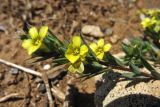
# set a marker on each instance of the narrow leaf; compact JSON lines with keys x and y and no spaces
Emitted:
{"x":135,"y":69}
{"x":150,"y":68}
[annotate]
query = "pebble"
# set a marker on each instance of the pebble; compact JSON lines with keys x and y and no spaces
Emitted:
{"x":41,"y":87}
{"x":46,"y":67}
{"x":114,"y":39}
{"x":14,"y":71}
{"x":141,"y":16}
{"x":92,"y":30}
{"x":109,"y":31}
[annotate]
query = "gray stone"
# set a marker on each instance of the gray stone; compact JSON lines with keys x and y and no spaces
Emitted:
{"x":14,"y":71}
{"x":41,"y":88}
{"x":109,"y":31}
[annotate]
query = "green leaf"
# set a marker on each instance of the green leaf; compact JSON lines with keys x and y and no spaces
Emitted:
{"x":128,"y":50}
{"x":54,"y":38}
{"x":60,"y":61}
{"x":112,"y":60}
{"x":135,"y":69}
{"x":94,"y":74}
{"x":128,"y":75}
{"x":150,"y":68}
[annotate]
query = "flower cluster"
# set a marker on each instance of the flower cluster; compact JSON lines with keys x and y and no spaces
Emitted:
{"x":75,"y":53}
{"x":92,"y":59}
{"x":151,"y":20}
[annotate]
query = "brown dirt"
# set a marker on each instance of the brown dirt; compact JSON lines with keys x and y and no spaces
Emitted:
{"x":59,"y":15}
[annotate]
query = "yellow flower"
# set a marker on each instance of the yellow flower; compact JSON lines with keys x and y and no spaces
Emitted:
{"x":36,"y":39}
{"x":75,"y":50}
{"x":76,"y":67}
{"x":148,"y":22}
{"x":100,"y":48}
{"x":153,"y":12}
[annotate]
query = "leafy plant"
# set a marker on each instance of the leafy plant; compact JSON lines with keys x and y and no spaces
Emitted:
{"x":92,"y":59}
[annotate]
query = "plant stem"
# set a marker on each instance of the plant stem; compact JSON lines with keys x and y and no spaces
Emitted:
{"x":143,"y":73}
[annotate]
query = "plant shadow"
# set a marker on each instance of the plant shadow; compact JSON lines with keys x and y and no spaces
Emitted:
{"x":135,"y":100}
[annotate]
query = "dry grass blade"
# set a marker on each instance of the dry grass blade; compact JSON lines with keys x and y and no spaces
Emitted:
{"x":7,"y":97}
{"x":58,"y":93}
{"x":49,"y":94}
{"x":21,"y":68}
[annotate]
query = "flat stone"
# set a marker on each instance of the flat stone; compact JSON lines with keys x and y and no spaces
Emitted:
{"x":92,"y":30}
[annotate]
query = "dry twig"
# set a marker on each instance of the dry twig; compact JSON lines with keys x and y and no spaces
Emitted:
{"x":21,"y":68}
{"x":49,"y":94}
{"x":7,"y":97}
{"x":58,"y":93}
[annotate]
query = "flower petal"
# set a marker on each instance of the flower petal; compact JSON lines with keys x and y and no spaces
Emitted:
{"x":72,"y":69}
{"x":81,"y":68}
{"x":83,"y":50}
{"x":76,"y":41}
{"x":43,"y":32}
{"x":33,"y":32}
{"x":100,"y":42}
{"x":31,"y":48}
{"x":72,"y":58}
{"x":107,"y":47}
{"x":77,"y":67}
{"x":100,"y":56}
{"x":93,"y":46}
{"x":27,"y":43}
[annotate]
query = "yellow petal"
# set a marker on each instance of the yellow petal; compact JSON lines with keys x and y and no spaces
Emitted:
{"x":77,"y":67}
{"x":100,"y":56}
{"x":81,"y":68}
{"x":100,"y":42}
{"x":72,"y":58}
{"x":72,"y":69}
{"x":107,"y":47}
{"x":43,"y":32}
{"x":83,"y":50}
{"x":76,"y":41}
{"x":27,"y":43}
{"x":93,"y":46}
{"x":33,"y":32}
{"x":31,"y":48}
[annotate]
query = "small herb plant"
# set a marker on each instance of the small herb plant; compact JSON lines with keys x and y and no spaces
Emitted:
{"x":92,"y":59}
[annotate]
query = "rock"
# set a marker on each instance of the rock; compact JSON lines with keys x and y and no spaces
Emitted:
{"x":114,"y":39}
{"x":109,"y":31}
{"x":115,"y":93}
{"x":137,"y":95}
{"x":142,"y":16}
{"x":14,"y":71}
{"x":41,"y":87}
{"x":92,"y":30}
{"x":46,"y":67}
